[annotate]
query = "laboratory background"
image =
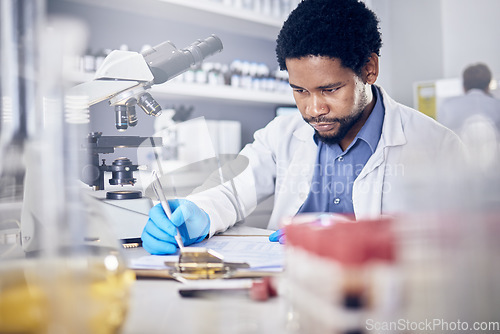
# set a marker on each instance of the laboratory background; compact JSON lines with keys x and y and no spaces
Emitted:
{"x":422,"y":41}
{"x":209,"y":112}
{"x":426,"y":46}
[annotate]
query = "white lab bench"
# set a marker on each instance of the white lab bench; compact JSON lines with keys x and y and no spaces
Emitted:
{"x":157,"y":307}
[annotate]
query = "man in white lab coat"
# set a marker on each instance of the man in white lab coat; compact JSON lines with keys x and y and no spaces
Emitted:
{"x":460,"y":112}
{"x":352,"y":150}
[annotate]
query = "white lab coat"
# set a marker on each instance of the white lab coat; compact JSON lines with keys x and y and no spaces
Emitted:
{"x":282,"y":157}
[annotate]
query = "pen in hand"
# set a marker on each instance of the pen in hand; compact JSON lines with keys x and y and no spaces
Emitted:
{"x":158,"y":189}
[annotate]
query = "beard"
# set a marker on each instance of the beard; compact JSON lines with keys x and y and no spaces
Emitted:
{"x":345,"y":124}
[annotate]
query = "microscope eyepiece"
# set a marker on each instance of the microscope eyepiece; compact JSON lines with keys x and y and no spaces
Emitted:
{"x":167,"y":62}
{"x":203,"y":48}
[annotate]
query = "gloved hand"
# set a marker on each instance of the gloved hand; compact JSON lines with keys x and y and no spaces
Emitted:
{"x":158,"y":234}
{"x":278,"y":235}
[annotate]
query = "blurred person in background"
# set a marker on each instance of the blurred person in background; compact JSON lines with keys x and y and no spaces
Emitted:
{"x":477,"y":104}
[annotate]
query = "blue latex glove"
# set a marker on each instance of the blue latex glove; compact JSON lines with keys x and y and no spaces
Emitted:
{"x":278,"y":235}
{"x":158,"y":234}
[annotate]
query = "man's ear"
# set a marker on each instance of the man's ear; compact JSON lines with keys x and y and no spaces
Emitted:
{"x":370,"y":70}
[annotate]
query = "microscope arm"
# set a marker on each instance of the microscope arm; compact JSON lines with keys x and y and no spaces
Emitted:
{"x":100,"y":90}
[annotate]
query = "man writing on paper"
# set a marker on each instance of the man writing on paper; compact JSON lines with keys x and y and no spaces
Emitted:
{"x":345,"y":153}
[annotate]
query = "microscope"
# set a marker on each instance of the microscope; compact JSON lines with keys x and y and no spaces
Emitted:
{"x":124,"y":79}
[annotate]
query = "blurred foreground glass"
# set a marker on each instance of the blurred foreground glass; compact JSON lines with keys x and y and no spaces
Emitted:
{"x":435,"y":262}
{"x":339,"y":273}
{"x":61,"y":269}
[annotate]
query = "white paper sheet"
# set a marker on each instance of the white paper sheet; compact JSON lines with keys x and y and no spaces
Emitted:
{"x":257,"y":251}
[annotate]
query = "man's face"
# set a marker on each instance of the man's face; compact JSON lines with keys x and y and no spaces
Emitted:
{"x":331,"y":98}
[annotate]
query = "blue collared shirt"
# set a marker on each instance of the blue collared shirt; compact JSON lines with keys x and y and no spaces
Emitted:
{"x":335,"y":170}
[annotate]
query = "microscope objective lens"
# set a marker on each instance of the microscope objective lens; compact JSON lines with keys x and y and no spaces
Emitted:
{"x":121,"y":118}
{"x":132,"y":116}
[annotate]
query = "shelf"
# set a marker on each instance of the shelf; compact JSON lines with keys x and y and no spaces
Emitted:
{"x":175,"y":89}
{"x":205,"y":13}
{"x":200,"y":12}
{"x":222,"y":93}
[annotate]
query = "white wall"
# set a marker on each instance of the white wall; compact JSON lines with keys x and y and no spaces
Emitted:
{"x":412,"y":37}
{"x":382,"y":9}
{"x":471,"y":33}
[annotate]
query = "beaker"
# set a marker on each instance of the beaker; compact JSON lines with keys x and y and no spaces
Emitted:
{"x":61,"y":270}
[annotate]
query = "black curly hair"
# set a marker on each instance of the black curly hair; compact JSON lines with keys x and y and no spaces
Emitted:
{"x":342,"y":29}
